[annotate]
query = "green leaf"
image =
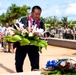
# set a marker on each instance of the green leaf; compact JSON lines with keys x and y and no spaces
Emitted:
{"x":69,"y":73}
{"x":44,"y":43}
{"x":58,"y":73}
{"x":17,"y":32}
{"x":36,"y":37}
{"x":34,"y":42}
{"x":15,"y":38}
{"x":46,"y":73}
{"x":64,"y":74}
{"x":40,"y":49}
{"x":5,"y":39}
{"x":41,"y":44}
{"x":18,"y":37}
{"x":24,"y":41}
{"x":11,"y":38}
{"x":73,"y":73}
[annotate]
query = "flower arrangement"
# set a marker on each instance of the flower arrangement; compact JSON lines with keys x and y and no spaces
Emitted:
{"x":60,"y":67}
{"x":26,"y":36}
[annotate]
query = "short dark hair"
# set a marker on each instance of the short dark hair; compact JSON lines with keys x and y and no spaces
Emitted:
{"x":36,"y":7}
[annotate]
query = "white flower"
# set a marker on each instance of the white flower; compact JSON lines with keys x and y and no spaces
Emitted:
{"x":23,"y":34}
{"x":24,"y":31}
{"x":30,"y":34}
{"x":72,"y":62}
{"x":63,"y":63}
{"x":71,"y":66}
{"x":68,"y":60}
{"x":40,"y":31}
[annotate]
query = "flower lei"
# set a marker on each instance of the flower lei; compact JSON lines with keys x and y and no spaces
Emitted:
{"x":30,"y":22}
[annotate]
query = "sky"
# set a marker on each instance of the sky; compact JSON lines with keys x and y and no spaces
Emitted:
{"x":59,"y":8}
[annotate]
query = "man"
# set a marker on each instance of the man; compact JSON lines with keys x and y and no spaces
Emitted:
{"x":6,"y":45}
{"x":31,"y":50}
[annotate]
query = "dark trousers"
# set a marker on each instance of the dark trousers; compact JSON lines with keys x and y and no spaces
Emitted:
{"x":33,"y":54}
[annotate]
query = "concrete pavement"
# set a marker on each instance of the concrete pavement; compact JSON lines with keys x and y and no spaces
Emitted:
{"x":7,"y":59}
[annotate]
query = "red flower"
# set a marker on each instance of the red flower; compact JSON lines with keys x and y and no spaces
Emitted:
{"x":60,"y":66}
{"x":75,"y":64}
{"x":73,"y":68}
{"x":67,"y":67}
{"x":68,"y":63}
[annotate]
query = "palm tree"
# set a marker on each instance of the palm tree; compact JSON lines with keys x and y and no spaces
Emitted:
{"x":65,"y":21}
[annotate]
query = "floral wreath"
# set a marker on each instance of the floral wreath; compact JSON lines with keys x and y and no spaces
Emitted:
{"x":27,"y":36}
{"x":60,"y":67}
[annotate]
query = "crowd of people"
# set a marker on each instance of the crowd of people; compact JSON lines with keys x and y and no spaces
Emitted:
{"x":65,"y":32}
{"x":5,"y":31}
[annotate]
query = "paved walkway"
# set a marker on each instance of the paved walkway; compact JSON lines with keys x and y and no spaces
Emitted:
{"x":7,"y":59}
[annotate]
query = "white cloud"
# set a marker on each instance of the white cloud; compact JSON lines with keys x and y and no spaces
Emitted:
{"x":71,"y":9}
{"x":2,"y":11}
{"x":3,"y":6}
{"x":57,"y":11}
{"x":51,"y":11}
{"x":68,"y":10}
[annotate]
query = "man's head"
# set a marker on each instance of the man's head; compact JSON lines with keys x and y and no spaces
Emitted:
{"x":36,"y":12}
{"x":7,"y":24}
